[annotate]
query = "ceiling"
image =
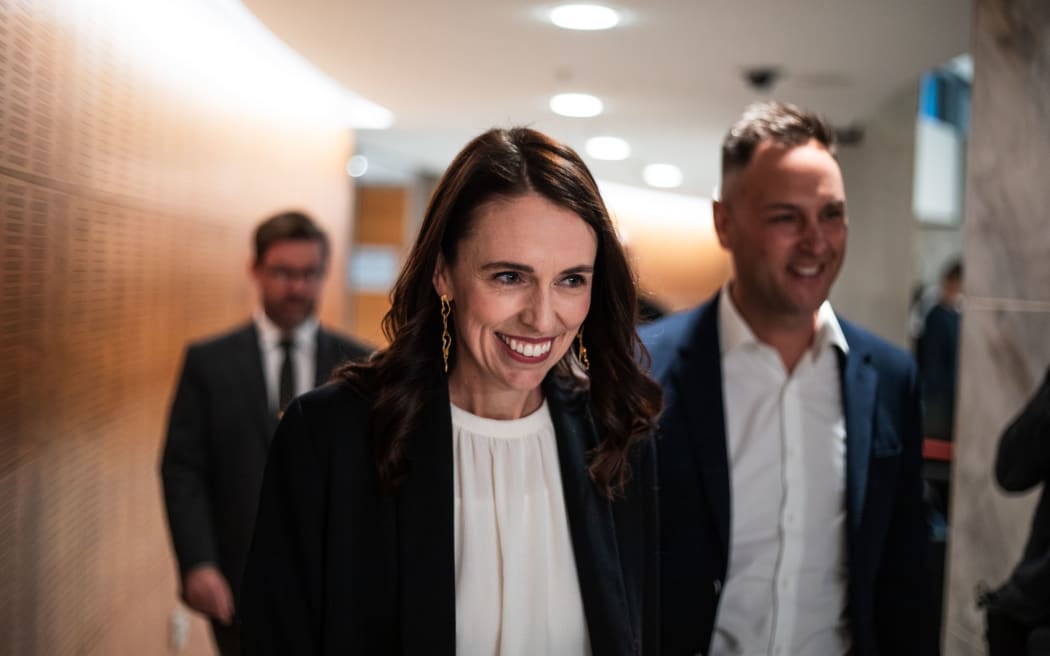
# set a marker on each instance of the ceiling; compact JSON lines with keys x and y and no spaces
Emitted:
{"x":671,"y":75}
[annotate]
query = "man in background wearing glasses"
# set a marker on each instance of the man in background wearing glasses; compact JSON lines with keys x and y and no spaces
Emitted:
{"x":231,"y":393}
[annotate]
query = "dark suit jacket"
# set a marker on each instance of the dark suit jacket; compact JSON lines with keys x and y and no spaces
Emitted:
{"x":336,"y":567}
{"x":886,"y":529}
{"x":937,"y":355}
{"x":218,"y":435}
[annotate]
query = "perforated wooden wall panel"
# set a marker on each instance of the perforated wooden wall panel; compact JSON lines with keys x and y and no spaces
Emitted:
{"x":127,"y":199}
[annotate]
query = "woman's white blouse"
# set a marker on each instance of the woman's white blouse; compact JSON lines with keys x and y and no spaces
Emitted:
{"x":516,"y":586}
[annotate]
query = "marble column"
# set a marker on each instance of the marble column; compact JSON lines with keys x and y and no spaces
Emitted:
{"x":1005,"y":345}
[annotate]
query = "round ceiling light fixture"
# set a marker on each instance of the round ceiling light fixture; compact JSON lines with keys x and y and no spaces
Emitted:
{"x":357,"y":166}
{"x":664,"y":176}
{"x":576,"y":105}
{"x":608,"y":148}
{"x":584,"y":17}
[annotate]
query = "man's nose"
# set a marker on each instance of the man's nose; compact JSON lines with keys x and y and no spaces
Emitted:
{"x":298,"y":283}
{"x":813,"y":240}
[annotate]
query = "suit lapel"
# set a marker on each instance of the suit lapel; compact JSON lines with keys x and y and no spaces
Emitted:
{"x":426,"y":540}
{"x":250,"y":361}
{"x":326,"y":359}
{"x":859,"y":385}
{"x":699,"y":375}
{"x":591,"y":526}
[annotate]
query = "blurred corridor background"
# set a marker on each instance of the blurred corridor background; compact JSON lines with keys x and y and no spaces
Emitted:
{"x":141,"y":141}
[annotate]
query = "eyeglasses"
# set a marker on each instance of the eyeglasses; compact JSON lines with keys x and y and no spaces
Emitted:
{"x":287,"y":274}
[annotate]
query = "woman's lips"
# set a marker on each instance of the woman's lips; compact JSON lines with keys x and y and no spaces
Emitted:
{"x":527,"y":349}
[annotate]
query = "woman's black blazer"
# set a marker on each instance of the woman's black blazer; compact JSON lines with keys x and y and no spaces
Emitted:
{"x":336,"y":567}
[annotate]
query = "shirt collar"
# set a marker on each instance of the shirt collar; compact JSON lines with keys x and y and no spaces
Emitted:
{"x":270,"y":335}
{"x":733,"y":331}
{"x":829,"y":332}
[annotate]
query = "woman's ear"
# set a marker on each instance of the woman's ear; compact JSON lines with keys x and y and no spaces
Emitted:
{"x":442,"y":277}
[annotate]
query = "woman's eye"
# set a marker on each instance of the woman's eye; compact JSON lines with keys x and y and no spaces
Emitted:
{"x":507,"y":277}
{"x":575,"y":280}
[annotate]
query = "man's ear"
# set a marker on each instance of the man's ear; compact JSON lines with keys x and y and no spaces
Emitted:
{"x":720,"y":212}
{"x":442,"y":277}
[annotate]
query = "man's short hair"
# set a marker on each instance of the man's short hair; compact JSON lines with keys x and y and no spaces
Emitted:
{"x":288,"y":226}
{"x":782,"y":123}
{"x":953,"y":271}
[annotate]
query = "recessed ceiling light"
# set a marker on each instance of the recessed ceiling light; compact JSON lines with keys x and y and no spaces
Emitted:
{"x":611,"y":148}
{"x":664,"y":176}
{"x":357,"y":166}
{"x":584,"y":17}
{"x":578,"y":105}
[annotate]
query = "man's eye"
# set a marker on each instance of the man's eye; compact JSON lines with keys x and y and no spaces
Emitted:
{"x":782,"y":218}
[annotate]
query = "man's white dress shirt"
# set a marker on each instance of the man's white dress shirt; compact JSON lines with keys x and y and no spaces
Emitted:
{"x":785,"y":590}
{"x":304,"y":355}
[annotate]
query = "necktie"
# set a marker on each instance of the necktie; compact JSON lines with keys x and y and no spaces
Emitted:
{"x":286,"y":389}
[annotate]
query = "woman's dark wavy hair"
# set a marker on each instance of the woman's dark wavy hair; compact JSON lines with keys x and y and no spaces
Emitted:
{"x":502,"y":164}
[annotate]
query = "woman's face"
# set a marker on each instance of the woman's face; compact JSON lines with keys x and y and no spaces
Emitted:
{"x":521,"y":288}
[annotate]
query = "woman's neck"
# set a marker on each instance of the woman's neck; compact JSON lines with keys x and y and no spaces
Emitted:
{"x":494,"y":404}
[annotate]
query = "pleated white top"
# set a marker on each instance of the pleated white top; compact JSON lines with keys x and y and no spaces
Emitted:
{"x":517,"y":592}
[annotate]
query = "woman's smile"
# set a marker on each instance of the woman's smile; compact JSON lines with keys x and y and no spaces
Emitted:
{"x":527,"y":349}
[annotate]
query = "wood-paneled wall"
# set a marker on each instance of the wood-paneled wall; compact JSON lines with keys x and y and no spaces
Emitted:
{"x":382,"y":213}
{"x":127,"y":200}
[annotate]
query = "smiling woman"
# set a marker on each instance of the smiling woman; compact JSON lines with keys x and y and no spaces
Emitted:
{"x":481,"y":486}
{"x":521,"y":287}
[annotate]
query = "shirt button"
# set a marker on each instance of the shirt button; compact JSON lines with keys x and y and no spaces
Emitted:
{"x":717,"y":585}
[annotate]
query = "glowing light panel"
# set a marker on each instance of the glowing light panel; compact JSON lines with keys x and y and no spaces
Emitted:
{"x":664,"y":176}
{"x":608,"y":148}
{"x":577,"y":105}
{"x":584,"y":17}
{"x":227,"y":53}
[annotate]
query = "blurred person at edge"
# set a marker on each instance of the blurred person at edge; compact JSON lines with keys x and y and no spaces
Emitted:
{"x":791,"y":507}
{"x":230,"y":394}
{"x":485,"y":484}
{"x":1018,"y":612}
{"x":937,"y":353}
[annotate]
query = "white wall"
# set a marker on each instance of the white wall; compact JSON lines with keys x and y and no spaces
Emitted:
{"x":875,"y":284}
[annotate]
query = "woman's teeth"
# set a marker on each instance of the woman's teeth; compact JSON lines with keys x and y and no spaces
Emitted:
{"x":528,"y":349}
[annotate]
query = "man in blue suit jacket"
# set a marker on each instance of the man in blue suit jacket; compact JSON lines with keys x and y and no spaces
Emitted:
{"x":789,"y":463}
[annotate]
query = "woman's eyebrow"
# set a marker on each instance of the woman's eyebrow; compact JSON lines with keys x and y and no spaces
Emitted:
{"x":503,"y":265}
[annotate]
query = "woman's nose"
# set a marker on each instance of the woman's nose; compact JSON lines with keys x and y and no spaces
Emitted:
{"x":539,"y":314}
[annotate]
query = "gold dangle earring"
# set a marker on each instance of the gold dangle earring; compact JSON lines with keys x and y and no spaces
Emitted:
{"x":583,"y":350}
{"x":446,"y":340}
